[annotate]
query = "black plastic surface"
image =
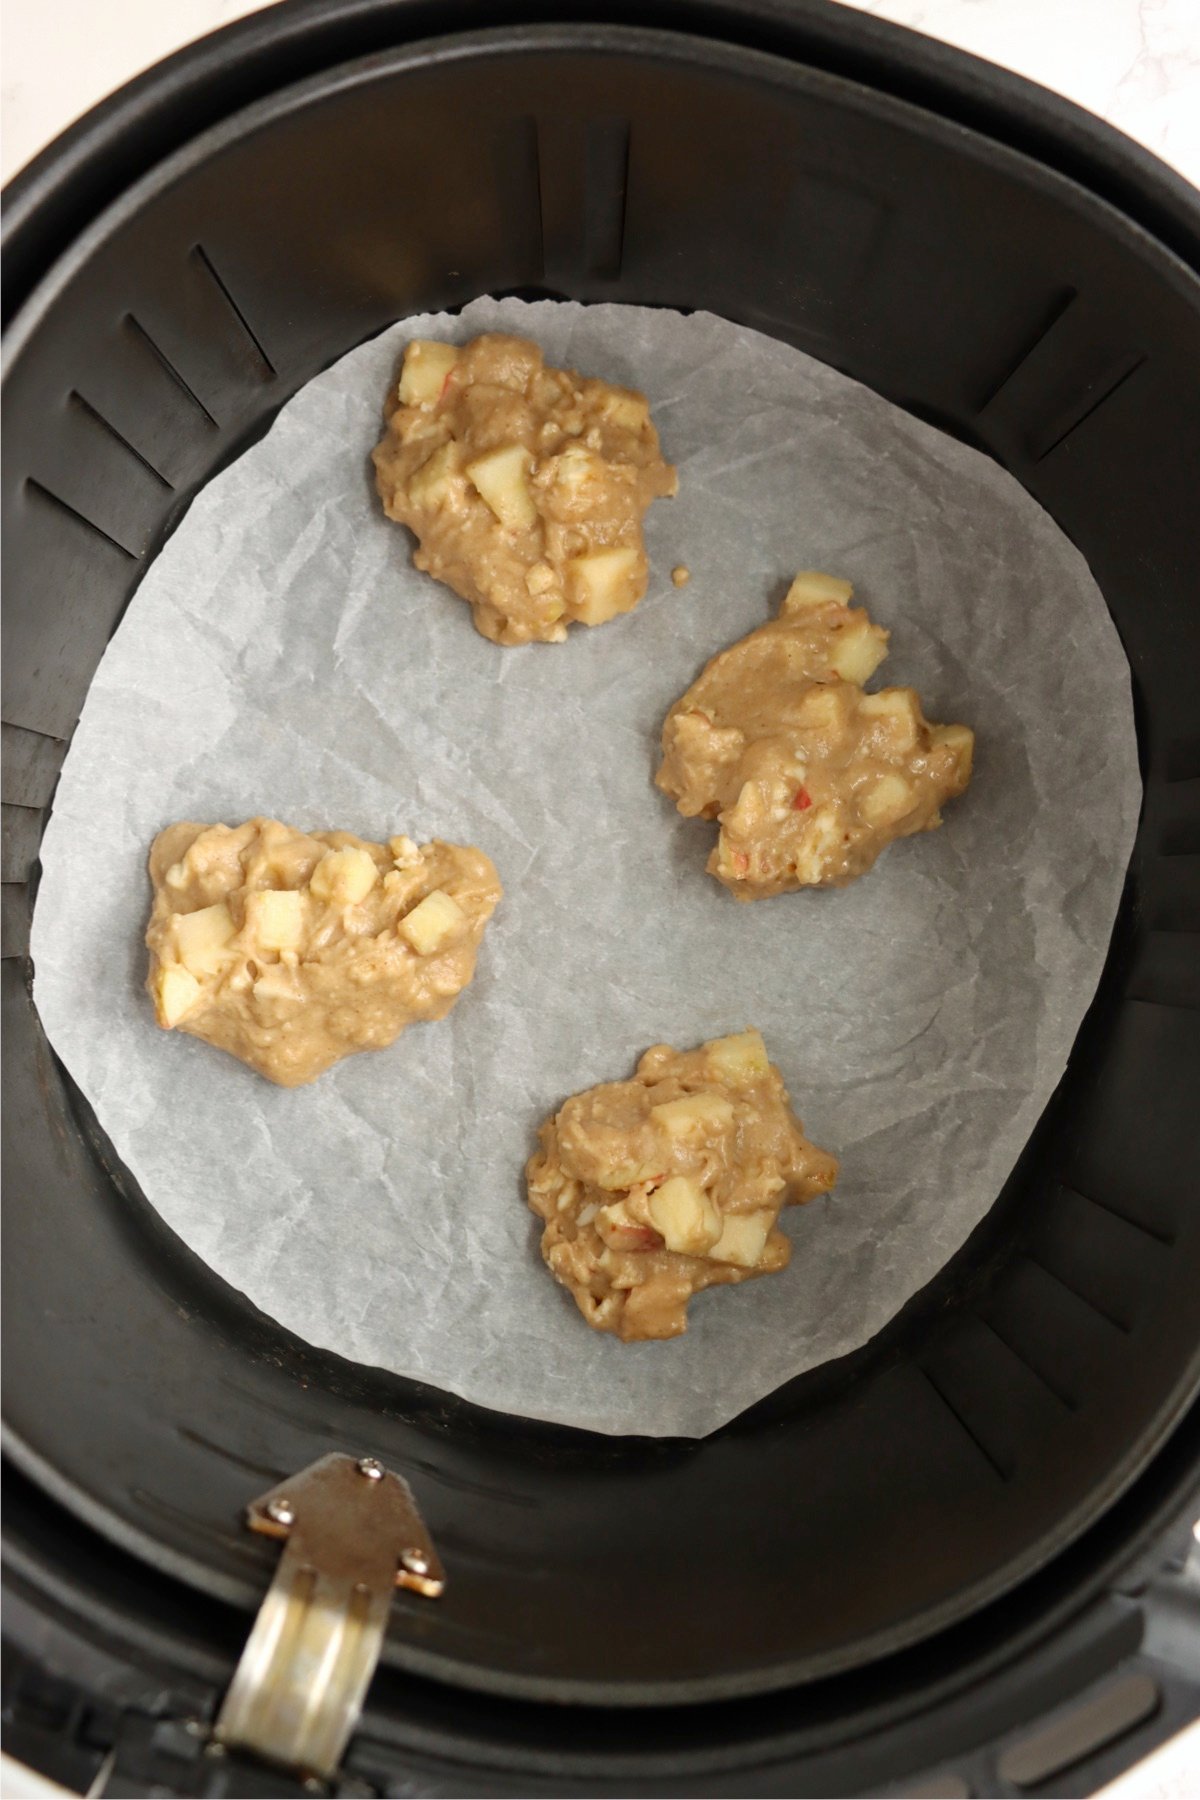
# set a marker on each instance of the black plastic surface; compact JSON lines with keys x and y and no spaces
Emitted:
{"x":127,"y":1675}
{"x":878,"y":1501}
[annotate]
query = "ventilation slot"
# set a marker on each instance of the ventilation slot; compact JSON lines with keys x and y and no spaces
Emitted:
{"x":1052,"y":313}
{"x":35,"y":487}
{"x":1072,"y":1287}
{"x":31,"y":764}
{"x":85,"y":406}
{"x":205,"y":261}
{"x":1099,"y":390}
{"x":1001,"y":1468}
{"x":1156,"y":1234}
{"x":142,"y":336}
{"x":604,"y":197}
{"x":1051,"y":1384}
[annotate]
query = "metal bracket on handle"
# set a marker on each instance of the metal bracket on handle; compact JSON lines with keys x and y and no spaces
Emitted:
{"x":353,"y":1534}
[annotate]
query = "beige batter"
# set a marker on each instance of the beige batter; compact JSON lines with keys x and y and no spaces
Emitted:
{"x":809,"y":777}
{"x":291,"y":950}
{"x":525,"y":486}
{"x":656,"y":1188}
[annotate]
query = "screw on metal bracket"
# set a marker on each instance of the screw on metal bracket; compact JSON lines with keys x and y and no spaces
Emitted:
{"x":349,"y":1543}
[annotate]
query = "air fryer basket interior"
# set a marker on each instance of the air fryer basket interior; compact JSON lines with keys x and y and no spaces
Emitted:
{"x":882,"y":1498}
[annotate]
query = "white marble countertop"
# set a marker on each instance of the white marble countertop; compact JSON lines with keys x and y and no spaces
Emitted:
{"x":1135,"y":63}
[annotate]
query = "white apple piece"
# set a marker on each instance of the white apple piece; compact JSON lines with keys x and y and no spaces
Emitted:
{"x":426,"y":366}
{"x":960,"y":739}
{"x":178,"y":992}
{"x":693,"y":1114}
{"x":743,"y":1239}
{"x":344,"y":877}
{"x":857,"y":652}
{"x":819,"y":709}
{"x":202,"y":939}
{"x":276,"y":919}
{"x":619,"y":1176}
{"x":626,"y":409}
{"x":439,"y":475}
{"x":900,"y":711}
{"x":405,"y":854}
{"x":819,"y":844}
{"x":741,"y":1057}
{"x":685,"y":1215}
{"x":620,"y":1231}
{"x":432,"y":923}
{"x":501,"y":478}
{"x":886,"y":800}
{"x":603,"y":584}
{"x":811,"y":588}
{"x":276,"y":983}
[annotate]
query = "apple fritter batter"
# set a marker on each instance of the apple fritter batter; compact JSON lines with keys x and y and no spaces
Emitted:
{"x":291,"y":950}
{"x":808,"y":777}
{"x":656,"y":1188}
{"x":525,"y":486}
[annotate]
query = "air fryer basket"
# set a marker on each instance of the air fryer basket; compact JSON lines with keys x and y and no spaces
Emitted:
{"x":976,"y":253}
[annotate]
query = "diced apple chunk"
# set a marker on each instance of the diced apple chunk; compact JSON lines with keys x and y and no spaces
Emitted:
{"x":741,"y":1057}
{"x":627,"y":1175}
{"x":886,"y":800}
{"x":626,"y":408}
{"x":276,"y":983}
{"x":685,"y":1215}
{"x":889,"y":703}
{"x":432,"y":923}
{"x":819,"y":708}
{"x":435,"y":481}
{"x":603,"y":584}
{"x":857,"y":651}
{"x":900,"y":710}
{"x":344,"y":877}
{"x":811,"y":588}
{"x":500,"y":477}
{"x":178,"y":992}
{"x":405,"y":853}
{"x":743,"y":1239}
{"x":693,"y":1113}
{"x":961,"y":740}
{"x":426,"y":366}
{"x":822,"y":839}
{"x":276,"y":919}
{"x":202,"y":938}
{"x":621,"y":1232}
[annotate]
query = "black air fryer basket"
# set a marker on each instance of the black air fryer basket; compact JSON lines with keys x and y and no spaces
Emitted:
{"x":945,"y":1553}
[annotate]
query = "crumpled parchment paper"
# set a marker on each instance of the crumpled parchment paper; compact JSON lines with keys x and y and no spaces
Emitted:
{"x":283,"y":657}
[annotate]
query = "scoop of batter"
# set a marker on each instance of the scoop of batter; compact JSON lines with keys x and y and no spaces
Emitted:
{"x":525,"y":486}
{"x":809,"y":777}
{"x":656,"y":1188}
{"x":292,"y":950}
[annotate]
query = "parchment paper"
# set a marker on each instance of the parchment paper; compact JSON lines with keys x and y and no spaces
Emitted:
{"x":283,"y":657}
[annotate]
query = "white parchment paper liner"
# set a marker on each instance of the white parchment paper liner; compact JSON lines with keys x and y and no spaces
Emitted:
{"x":283,"y":657}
